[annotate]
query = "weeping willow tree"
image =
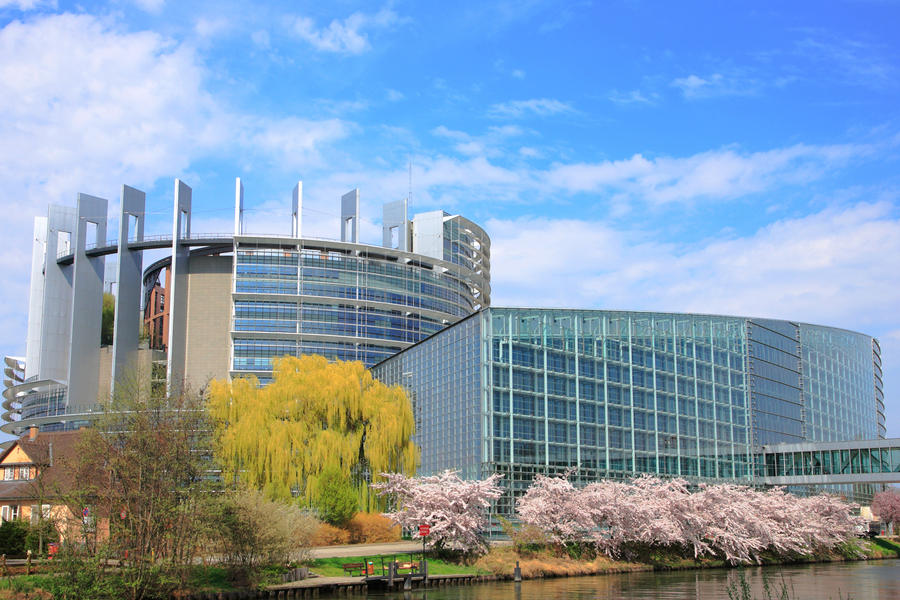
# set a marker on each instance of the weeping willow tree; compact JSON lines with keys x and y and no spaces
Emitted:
{"x":314,"y":415}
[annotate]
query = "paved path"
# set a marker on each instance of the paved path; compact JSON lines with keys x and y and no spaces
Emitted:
{"x":366,"y":549}
{"x":319,"y":582}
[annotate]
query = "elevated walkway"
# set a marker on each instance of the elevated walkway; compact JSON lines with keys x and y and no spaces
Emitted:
{"x":66,"y":256}
{"x":812,"y":463}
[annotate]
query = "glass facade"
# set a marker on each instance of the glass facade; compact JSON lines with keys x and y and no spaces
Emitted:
{"x":840,"y":372}
{"x":344,"y":301}
{"x":776,"y":396}
{"x":612,"y":394}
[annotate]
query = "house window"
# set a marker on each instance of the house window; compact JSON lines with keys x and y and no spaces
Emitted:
{"x":35,"y":515}
{"x":14,"y":512}
{"x":8,"y":473}
{"x":24,"y":473}
{"x":4,"y":513}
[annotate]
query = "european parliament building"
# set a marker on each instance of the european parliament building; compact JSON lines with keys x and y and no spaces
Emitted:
{"x":513,"y":390}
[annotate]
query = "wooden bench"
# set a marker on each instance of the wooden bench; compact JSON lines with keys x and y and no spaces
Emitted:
{"x":349,"y":568}
{"x":409,"y":566}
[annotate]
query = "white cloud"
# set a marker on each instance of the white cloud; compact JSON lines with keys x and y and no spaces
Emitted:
{"x":347,"y":36}
{"x":81,"y":99}
{"x":538,"y":106}
{"x":24,"y":5}
{"x":207,"y":27}
{"x":260,"y":38}
{"x":851,"y":61}
{"x":695,"y":87}
{"x":837,"y":267}
{"x":632,"y":97}
{"x":151,"y":6}
{"x":491,"y":144}
{"x":87,"y":107}
{"x":718,"y":174}
{"x":394,"y":95}
{"x":294,"y":143}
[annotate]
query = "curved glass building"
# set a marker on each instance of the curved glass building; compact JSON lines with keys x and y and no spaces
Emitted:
{"x":522,"y":391}
{"x":350,"y":301}
{"x":225,"y":305}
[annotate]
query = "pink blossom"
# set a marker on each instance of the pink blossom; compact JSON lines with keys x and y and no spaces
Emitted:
{"x":733,"y":521}
{"x":886,"y":505}
{"x":456,"y":510}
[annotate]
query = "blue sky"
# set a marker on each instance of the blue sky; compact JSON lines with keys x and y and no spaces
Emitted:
{"x":736,"y":158}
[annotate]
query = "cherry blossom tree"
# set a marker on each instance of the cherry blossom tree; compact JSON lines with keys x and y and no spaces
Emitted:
{"x":456,"y":509}
{"x":553,"y":505}
{"x":886,"y":505}
{"x":732,"y":521}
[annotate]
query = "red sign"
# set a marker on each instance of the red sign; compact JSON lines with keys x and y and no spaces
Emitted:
{"x":424,"y":530}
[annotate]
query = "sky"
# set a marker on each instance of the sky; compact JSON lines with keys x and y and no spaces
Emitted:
{"x":730,"y":158}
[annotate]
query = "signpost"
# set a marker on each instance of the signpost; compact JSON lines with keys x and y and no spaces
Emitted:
{"x":424,"y":531}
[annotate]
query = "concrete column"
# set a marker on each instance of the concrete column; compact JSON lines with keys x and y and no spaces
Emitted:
{"x":393,"y":216}
{"x":36,"y":298}
{"x":177,"y":292}
{"x":56,"y":307}
{"x":297,"y":210}
{"x":238,"y":206}
{"x":350,"y":216}
{"x":127,"y":328}
{"x":87,"y":304}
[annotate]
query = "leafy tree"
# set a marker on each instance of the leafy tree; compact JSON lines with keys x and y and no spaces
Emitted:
{"x":142,"y":469}
{"x":337,"y":502}
{"x":314,"y":415}
{"x":456,"y":509}
{"x":42,"y":532}
{"x":886,"y":505}
{"x":107,"y":319}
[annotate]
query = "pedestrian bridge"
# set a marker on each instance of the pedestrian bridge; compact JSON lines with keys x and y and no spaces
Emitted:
{"x":811,"y":463}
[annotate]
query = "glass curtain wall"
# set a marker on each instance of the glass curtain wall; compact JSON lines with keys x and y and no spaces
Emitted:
{"x":841,"y":397}
{"x":611,"y":394}
{"x":343,"y":304}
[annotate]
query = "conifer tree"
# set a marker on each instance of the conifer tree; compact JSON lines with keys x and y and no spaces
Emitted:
{"x":315,"y":415}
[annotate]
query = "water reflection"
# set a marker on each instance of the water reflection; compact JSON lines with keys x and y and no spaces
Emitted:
{"x":875,"y":580}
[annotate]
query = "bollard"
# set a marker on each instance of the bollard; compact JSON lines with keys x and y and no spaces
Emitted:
{"x":517,"y":573}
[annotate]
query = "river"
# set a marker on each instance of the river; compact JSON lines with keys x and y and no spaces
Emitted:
{"x":862,"y":580}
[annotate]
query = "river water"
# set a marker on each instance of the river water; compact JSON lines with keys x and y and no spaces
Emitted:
{"x":862,"y":580}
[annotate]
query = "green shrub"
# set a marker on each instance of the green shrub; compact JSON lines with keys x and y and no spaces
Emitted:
{"x":255,"y":532}
{"x":337,"y":502}
{"x":12,"y":537}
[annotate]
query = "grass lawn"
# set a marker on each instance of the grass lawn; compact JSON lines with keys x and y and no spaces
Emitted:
{"x":881,"y":548}
{"x":331,"y":567}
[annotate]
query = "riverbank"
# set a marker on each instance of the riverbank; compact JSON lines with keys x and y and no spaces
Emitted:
{"x":545,"y":562}
{"x":500,"y":562}
{"x":497,"y":565}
